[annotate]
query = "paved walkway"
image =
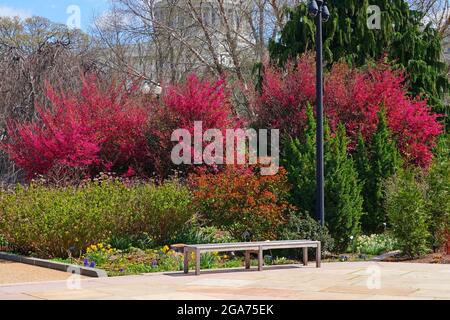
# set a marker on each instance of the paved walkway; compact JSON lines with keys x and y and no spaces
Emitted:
{"x":12,"y":272}
{"x":362,"y":280}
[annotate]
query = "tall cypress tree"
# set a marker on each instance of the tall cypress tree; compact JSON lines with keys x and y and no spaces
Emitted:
{"x":363,"y":168}
{"x":375,"y":163}
{"x":343,"y":199}
{"x":299,"y":158}
{"x":408,"y":43}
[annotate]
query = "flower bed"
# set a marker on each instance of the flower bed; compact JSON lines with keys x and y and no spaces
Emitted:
{"x":136,"y":261}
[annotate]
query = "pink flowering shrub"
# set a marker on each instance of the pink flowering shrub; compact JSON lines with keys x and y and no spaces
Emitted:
{"x":352,"y":97}
{"x":184,"y":104}
{"x":200,"y":100}
{"x":96,"y":129}
{"x":111,"y":130}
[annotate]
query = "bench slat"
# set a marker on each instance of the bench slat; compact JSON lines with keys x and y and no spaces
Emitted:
{"x":257,"y":247}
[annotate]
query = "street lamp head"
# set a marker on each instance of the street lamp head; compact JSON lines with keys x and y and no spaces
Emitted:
{"x":313,"y":8}
{"x":325,"y":13}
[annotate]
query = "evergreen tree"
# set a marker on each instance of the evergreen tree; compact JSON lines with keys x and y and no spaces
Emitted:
{"x":343,"y":200}
{"x":375,"y":164}
{"x":363,"y":168}
{"x":408,"y":43}
{"x":299,"y":159}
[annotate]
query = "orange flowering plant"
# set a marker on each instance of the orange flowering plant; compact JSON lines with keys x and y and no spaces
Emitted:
{"x":243,"y":202}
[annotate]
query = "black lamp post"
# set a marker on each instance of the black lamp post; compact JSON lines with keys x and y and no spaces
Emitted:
{"x":318,"y":9}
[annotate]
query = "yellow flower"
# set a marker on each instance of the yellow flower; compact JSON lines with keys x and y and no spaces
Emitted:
{"x":94,"y":247}
{"x":165,"y":249}
{"x":88,"y":250}
{"x":100,"y":245}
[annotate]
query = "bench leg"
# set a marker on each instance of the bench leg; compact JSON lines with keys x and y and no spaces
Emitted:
{"x":247,"y":259}
{"x":197,"y":262}
{"x":305,"y":256}
{"x":260,"y":259}
{"x":186,"y":261}
{"x":318,"y":256}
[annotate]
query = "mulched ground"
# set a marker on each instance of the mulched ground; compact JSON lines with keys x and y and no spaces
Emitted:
{"x":436,"y":258}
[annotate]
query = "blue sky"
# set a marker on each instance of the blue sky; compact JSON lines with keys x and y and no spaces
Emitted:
{"x":55,"y":10}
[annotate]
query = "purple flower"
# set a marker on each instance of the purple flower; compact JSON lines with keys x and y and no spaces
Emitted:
{"x":121,"y":270}
{"x":86,"y":262}
{"x":92,"y":265}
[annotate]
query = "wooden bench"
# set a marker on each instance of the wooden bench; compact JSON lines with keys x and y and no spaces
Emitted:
{"x":248,"y":248}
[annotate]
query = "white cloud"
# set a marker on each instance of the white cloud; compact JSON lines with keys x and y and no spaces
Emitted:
{"x":6,"y":11}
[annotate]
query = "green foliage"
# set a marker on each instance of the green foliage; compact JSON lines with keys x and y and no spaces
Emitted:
{"x":242,"y":201}
{"x":375,"y":163}
{"x":51,"y":221}
{"x":406,"y":207}
{"x":302,"y":226}
{"x":343,"y":208}
{"x":374,"y":244}
{"x":126,"y":242}
{"x":403,"y":38}
{"x":343,"y":200}
{"x":3,"y":242}
{"x":193,"y":233}
{"x":299,"y":160}
{"x":438,"y":193}
{"x":164,"y":208}
{"x":209,"y":260}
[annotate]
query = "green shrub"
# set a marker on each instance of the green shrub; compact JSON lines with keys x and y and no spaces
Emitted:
{"x":126,"y":242}
{"x":56,"y":222}
{"x":374,"y":244}
{"x":3,"y":242}
{"x":438,"y":194}
{"x":407,"y":213}
{"x":164,"y":209}
{"x":304,"y":227}
{"x":193,"y":233}
{"x":242,"y":201}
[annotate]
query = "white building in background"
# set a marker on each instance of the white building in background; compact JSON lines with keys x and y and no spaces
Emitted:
{"x":177,"y":14}
{"x":446,"y":47}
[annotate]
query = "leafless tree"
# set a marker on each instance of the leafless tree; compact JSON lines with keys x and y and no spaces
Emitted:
{"x":162,"y":40}
{"x":436,"y":11}
{"x":32,"y":52}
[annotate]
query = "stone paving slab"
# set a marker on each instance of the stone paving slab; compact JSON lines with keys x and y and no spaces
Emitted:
{"x":350,"y":280}
{"x":13,"y":272}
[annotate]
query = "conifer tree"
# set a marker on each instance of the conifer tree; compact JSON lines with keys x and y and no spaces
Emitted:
{"x":299,"y":158}
{"x":375,"y":164}
{"x":344,"y":202}
{"x":363,"y":168}
{"x":343,"y":199}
